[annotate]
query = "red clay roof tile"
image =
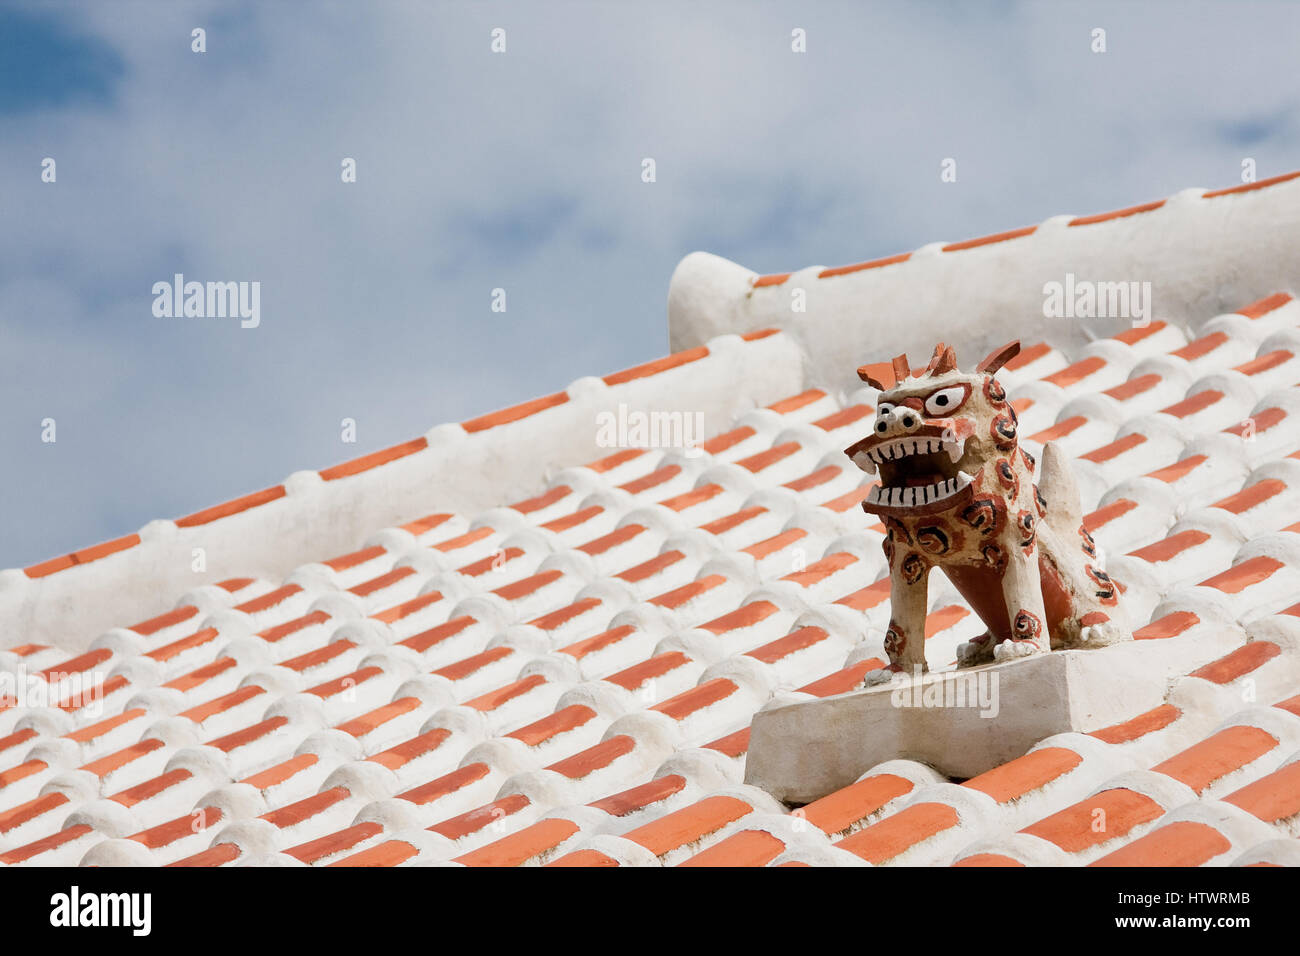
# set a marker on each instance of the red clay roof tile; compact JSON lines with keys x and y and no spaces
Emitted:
{"x":228,"y":508}
{"x":1018,"y":777}
{"x":890,"y":837}
{"x":836,"y":812}
{"x":1155,"y":719}
{"x":1109,"y":815}
{"x":1184,"y":843}
{"x":1242,"y":661}
{"x":860,"y":266}
{"x":1271,"y":302}
{"x":514,"y":413}
{"x":1251,"y":187}
{"x":84,"y":556}
{"x":1273,"y":798}
{"x":746,"y":848}
{"x":675,"y":360}
{"x":1117,"y":214}
{"x":689,"y":824}
{"x":989,"y":240}
{"x":1230,"y":749}
{"x":366,"y":462}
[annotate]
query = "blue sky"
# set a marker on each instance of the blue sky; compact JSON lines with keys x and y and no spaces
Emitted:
{"x":521,"y":171}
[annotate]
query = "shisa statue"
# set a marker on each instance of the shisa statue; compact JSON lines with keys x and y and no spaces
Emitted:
{"x":957,"y":492}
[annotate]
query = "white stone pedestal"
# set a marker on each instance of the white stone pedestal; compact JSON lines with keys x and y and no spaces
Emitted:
{"x":965,"y":722}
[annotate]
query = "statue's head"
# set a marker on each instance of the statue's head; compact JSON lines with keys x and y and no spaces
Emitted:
{"x":936,"y":432}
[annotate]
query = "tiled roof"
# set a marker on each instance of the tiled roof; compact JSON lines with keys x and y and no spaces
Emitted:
{"x":568,"y":679}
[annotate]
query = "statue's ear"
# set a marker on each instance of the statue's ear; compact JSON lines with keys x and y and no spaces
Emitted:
{"x":999,"y":357}
{"x":878,"y":375}
{"x":869,"y":373}
{"x":943,"y":360}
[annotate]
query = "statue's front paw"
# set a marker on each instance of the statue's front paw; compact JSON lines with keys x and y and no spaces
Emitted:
{"x":1014,"y":650}
{"x":1103,"y":634}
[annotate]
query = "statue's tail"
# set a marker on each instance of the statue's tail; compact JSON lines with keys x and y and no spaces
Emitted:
{"x":1056,"y":485}
{"x":1065,"y":518}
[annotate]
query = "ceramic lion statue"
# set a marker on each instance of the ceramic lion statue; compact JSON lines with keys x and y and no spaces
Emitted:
{"x":957,"y":492}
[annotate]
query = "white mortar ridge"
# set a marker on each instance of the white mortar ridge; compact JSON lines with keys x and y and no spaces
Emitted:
{"x":1204,"y":255}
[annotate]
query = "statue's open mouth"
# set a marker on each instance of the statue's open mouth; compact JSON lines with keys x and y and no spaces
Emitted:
{"x":918,"y":471}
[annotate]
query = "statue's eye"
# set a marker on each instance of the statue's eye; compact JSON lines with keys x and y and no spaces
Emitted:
{"x":945,"y":400}
{"x":884,"y":408}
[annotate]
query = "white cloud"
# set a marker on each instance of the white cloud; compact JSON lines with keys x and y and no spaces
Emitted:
{"x":522,"y":170}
